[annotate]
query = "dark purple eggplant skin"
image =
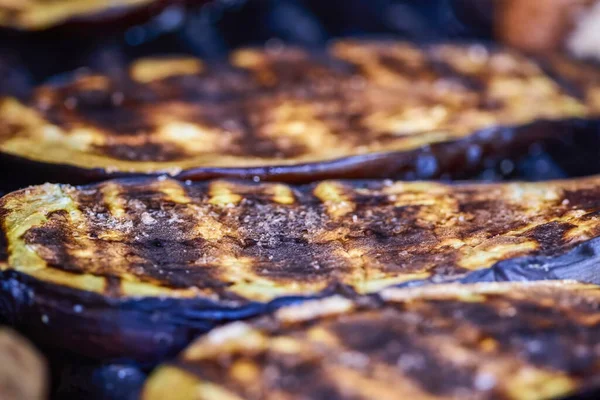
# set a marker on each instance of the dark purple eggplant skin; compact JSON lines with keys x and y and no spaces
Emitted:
{"x":145,"y":331}
{"x":567,"y":140}
{"x":142,"y":330}
{"x":78,"y":378}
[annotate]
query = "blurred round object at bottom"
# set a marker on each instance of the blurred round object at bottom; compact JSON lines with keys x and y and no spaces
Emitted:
{"x":23,"y":374}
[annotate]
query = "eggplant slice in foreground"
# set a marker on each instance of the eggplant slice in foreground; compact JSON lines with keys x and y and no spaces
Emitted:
{"x":135,"y":268}
{"x":356,"y":110}
{"x":35,"y":15}
{"x":517,"y":341}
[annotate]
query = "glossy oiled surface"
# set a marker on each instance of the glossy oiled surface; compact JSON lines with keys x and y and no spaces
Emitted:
{"x":285,"y":107}
{"x":243,"y":240}
{"x":518,"y":341}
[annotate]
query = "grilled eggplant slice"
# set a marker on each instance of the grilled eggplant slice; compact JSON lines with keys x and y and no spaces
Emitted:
{"x":34,"y":15}
{"x":358,"y":110}
{"x":484,"y":341}
{"x":133,"y":269}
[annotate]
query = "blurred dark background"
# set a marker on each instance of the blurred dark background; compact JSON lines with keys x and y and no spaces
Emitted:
{"x":210,"y":29}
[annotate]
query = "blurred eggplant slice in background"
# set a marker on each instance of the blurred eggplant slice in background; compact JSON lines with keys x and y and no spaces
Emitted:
{"x":484,"y":341}
{"x":134,"y":269}
{"x":35,"y":15}
{"x":358,"y":110}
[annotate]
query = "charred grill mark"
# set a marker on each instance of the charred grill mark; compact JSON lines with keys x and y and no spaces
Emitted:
{"x":248,"y":124}
{"x":549,"y":330}
{"x":388,"y":352}
{"x":564,"y":78}
{"x":219,"y":84}
{"x":171,"y":261}
{"x":110,"y":118}
{"x":387,"y":339}
{"x":10,"y":130}
{"x":144,"y":152}
{"x":112,"y":286}
{"x":404,"y":69}
{"x":57,"y":243}
{"x":290,"y":69}
{"x":489,"y":217}
{"x":157,"y":251}
{"x":550,"y":236}
{"x":296,"y":261}
{"x":385,"y":62}
{"x":580,"y":78}
{"x":447,"y":72}
{"x":102,"y":107}
{"x":297,"y":374}
{"x":263,"y":135}
{"x":290,"y":375}
{"x":387,"y":243}
{"x":164,"y":245}
{"x":3,"y":248}
{"x":282,"y":240}
{"x":588,"y":198}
